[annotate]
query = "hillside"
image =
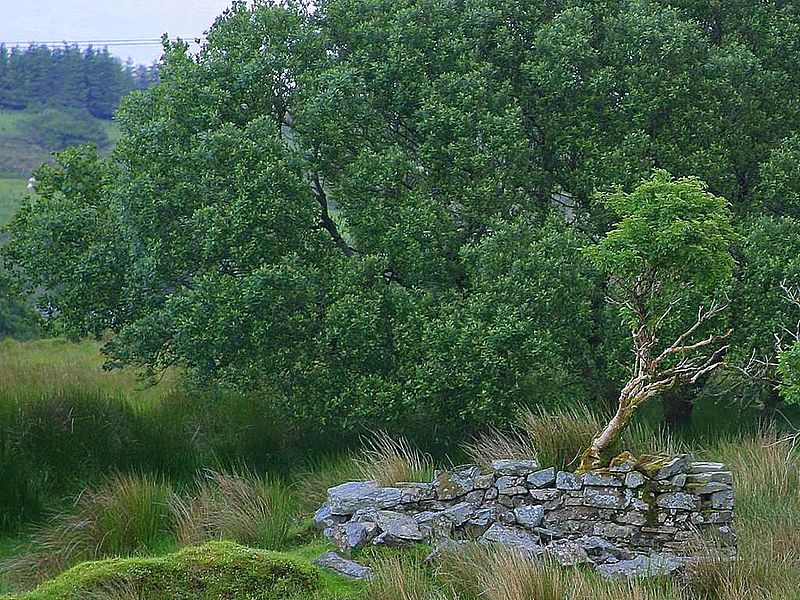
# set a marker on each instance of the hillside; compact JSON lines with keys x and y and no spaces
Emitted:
{"x":28,"y":139}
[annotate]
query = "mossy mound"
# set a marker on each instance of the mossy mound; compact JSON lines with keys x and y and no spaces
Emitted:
{"x":218,"y":570}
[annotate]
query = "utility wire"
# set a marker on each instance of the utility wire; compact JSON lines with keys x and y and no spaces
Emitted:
{"x":115,"y":42}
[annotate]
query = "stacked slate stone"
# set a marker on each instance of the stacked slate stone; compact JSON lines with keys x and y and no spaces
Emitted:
{"x":634,"y":517}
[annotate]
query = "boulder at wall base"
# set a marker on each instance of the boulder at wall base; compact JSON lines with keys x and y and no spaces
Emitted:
{"x":343,"y":566}
{"x":513,"y":537}
{"x":642,"y":567}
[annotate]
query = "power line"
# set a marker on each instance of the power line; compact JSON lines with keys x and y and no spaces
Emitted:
{"x":114,"y":42}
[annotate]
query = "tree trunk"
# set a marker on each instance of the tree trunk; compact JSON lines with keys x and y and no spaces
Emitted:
{"x":594,"y":456}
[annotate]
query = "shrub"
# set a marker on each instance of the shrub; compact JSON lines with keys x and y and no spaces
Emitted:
{"x":55,"y":129}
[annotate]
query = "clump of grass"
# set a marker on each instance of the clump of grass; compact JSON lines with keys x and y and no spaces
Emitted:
{"x":560,"y":435}
{"x":312,"y":483}
{"x":495,"y":444}
{"x":389,"y":460}
{"x":241,"y":507}
{"x":499,"y":573}
{"x":403,"y":578}
{"x":124,"y":516}
{"x":642,"y":438}
{"x":766,"y":475}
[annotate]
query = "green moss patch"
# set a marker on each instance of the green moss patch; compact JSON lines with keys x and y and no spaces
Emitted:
{"x":219,"y":570}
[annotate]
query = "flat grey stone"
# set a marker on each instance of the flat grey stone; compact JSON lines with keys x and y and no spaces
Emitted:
{"x":504,"y":482}
{"x":399,"y":526}
{"x":514,"y":467}
{"x":722,"y":500}
{"x":453,"y":484}
{"x":353,"y":535}
{"x":674,"y":466}
{"x":568,"y":481}
{"x":475,"y":498}
{"x":613,"y":530}
{"x":656,"y":565}
{"x":603,"y":497}
{"x":483,"y":482}
{"x":601,"y":480}
{"x":705,"y":467}
{"x":711,"y":477}
{"x":567,"y":553}
{"x":343,"y":566}
{"x":415,"y":492}
{"x":542,"y":478}
{"x":634,"y":480}
{"x":349,"y":497}
{"x":710,"y":488}
{"x":513,"y":537}
{"x":678,"y":481}
{"x":529,"y":516}
{"x":483,"y":519}
{"x":678,"y":500}
{"x":633,"y":517}
{"x":459,"y":513}
{"x":516,"y":490}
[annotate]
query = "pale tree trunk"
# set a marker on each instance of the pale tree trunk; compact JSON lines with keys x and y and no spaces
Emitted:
{"x":682,"y":362}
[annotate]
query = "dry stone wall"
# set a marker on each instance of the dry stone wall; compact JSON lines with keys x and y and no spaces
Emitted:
{"x":636,"y":516}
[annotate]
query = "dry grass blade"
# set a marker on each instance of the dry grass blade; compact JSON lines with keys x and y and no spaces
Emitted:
{"x":389,"y":460}
{"x":243,"y":508}
{"x":495,"y":444}
{"x":400,"y":578}
{"x":560,"y":435}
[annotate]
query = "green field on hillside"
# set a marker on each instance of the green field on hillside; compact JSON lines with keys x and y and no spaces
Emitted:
{"x":23,"y":147}
{"x":12,"y":191}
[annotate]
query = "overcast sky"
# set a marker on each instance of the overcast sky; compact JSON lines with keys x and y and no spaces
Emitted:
{"x":87,"y":20}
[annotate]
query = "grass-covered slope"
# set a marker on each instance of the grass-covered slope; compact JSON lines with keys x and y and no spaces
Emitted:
{"x":214,"y":570}
{"x":28,"y":139}
{"x":12,"y":190}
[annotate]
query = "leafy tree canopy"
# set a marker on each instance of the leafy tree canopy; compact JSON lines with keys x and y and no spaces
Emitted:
{"x":378,"y":207}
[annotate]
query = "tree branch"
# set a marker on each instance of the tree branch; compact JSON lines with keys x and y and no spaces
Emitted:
{"x":325,"y":216}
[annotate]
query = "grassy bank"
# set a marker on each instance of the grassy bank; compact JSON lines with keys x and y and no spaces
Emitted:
{"x":12,"y":191}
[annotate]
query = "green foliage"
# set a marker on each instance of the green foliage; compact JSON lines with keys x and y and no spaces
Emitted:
{"x":215,"y":570}
{"x":789,"y":369}
{"x":376,"y":208}
{"x":670,"y":231}
{"x":778,"y":191}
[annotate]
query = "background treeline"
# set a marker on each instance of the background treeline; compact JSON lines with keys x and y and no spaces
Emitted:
{"x":70,"y":77}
